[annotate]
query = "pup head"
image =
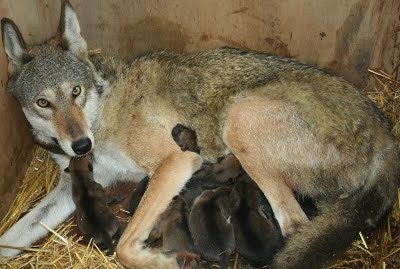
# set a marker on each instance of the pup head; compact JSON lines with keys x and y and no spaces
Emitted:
{"x":81,"y":166}
{"x":56,"y":84}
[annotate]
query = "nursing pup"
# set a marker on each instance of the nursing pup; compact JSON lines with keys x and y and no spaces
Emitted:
{"x":137,"y":194}
{"x":173,"y":229}
{"x":185,"y":137}
{"x":226,"y":167}
{"x":210,"y":175}
{"x":257,"y":234}
{"x":211,"y":227}
{"x":94,"y":217}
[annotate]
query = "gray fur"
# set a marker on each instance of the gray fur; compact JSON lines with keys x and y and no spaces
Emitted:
{"x":71,"y":31}
{"x":14,"y":45}
{"x":45,"y":70}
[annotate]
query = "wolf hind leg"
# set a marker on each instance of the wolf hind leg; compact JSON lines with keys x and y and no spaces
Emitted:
{"x":52,"y":210}
{"x":322,"y":241}
{"x":265,"y":146}
{"x":287,"y":210}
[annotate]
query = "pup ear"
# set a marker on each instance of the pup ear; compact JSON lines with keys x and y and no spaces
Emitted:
{"x":71,"y":32}
{"x":14,"y":45}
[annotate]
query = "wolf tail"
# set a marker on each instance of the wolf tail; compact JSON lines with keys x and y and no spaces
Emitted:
{"x":324,"y":239}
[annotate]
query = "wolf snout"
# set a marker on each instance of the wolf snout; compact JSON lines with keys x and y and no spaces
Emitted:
{"x":82,"y":145}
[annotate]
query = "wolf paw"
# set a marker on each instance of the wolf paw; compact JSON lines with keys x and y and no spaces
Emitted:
{"x":187,"y":260}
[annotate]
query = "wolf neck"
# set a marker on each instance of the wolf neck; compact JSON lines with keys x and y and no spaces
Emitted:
{"x":132,"y":111}
{"x":133,"y":94}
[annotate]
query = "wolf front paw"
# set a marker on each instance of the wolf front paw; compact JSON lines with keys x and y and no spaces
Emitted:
{"x":187,"y":260}
{"x":134,"y":256}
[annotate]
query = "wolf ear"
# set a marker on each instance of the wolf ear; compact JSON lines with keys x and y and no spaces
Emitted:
{"x":70,"y":31}
{"x":14,"y":45}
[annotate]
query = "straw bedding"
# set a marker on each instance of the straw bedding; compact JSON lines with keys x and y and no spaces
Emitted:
{"x":64,"y":248}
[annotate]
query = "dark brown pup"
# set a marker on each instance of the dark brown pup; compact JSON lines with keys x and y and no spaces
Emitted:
{"x":173,"y":228}
{"x":210,"y":225}
{"x":137,"y":194}
{"x":211,"y":175}
{"x":94,"y":217}
{"x":185,"y":138}
{"x":257,"y":234}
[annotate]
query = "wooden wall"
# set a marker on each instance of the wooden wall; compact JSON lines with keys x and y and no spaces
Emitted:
{"x":344,"y":36}
{"x":15,"y":140}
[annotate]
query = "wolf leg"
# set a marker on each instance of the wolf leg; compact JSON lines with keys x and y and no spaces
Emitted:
{"x":287,"y":210}
{"x":52,"y":210}
{"x":166,"y":182}
{"x":268,"y":139}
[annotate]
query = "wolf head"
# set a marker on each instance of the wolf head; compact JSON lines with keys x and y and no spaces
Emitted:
{"x":56,"y":84}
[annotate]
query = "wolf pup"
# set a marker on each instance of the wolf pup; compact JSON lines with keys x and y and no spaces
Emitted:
{"x":211,"y":176}
{"x":291,"y":126}
{"x":226,"y":167}
{"x":173,"y":229}
{"x":257,"y":235}
{"x":210,"y":225}
{"x":94,"y":217}
{"x":137,"y":195}
{"x":185,"y":138}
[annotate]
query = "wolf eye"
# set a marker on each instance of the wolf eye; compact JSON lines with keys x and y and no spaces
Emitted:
{"x":76,"y":91}
{"x":43,"y":102}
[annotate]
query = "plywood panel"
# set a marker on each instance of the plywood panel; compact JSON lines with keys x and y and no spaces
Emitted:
{"x":346,"y":36}
{"x":15,"y":140}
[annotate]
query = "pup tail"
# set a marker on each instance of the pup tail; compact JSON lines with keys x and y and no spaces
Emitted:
{"x":322,"y":241}
{"x":224,"y":260}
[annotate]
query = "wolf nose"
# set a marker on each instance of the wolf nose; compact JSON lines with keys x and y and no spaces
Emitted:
{"x":82,"y":146}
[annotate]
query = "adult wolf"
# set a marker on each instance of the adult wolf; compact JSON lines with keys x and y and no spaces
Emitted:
{"x":292,"y":126}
